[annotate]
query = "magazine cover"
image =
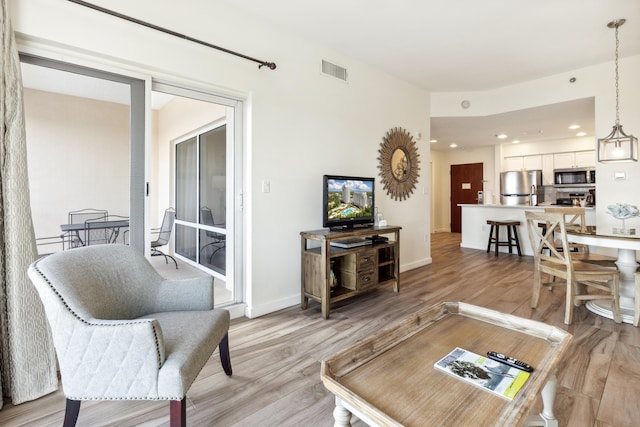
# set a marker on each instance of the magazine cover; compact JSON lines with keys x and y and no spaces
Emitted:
{"x":481,"y":371}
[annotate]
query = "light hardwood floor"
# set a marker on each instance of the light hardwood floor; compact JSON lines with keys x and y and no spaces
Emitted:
{"x":276,"y":358}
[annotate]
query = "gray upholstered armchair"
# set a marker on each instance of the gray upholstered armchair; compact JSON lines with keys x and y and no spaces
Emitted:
{"x":121,"y":331}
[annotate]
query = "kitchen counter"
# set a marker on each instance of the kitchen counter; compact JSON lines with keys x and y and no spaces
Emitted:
{"x":475,"y":230}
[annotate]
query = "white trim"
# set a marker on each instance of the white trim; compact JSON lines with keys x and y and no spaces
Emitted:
{"x":257,"y":311}
{"x":47,"y":49}
{"x":236,"y":310}
{"x":415,"y":264}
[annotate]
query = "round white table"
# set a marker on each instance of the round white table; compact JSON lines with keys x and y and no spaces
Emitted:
{"x":627,"y":265}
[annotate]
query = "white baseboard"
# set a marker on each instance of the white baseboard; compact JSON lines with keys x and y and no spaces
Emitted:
{"x":415,"y":264}
{"x":468,"y":246}
{"x":270,"y":307}
{"x":236,"y":310}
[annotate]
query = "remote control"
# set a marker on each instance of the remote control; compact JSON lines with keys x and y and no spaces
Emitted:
{"x":515,"y":363}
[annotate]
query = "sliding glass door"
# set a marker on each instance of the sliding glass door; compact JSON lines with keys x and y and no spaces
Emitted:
{"x":201,"y":202}
{"x":207,"y":185}
{"x":86,"y":147}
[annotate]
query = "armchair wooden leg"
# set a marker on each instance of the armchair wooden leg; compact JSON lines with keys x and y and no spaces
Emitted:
{"x":71,"y":413}
{"x":224,"y":355}
{"x":178,"y":413}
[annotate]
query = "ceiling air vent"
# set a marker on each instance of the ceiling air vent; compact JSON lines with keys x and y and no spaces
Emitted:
{"x":334,"y":70}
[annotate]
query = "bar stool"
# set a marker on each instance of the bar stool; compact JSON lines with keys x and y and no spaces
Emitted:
{"x":512,"y":235}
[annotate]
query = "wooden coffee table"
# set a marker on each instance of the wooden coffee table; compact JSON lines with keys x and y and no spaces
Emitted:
{"x":389,"y":378}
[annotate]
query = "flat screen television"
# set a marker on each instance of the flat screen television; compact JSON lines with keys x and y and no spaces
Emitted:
{"x":347,"y":201}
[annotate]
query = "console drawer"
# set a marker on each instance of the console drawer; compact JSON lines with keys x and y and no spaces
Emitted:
{"x":366,"y":278}
{"x":365,"y":260}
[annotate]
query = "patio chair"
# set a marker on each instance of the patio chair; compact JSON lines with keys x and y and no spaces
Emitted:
{"x":218,"y":240}
{"x":78,"y":238}
{"x":164,"y":233}
{"x":105,"y":230}
{"x":123,"y":332}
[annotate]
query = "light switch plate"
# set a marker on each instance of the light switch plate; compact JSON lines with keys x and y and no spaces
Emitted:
{"x":619,"y":176}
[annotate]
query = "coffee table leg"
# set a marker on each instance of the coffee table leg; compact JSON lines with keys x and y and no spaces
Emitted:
{"x":341,"y":415}
{"x":548,"y":400}
{"x":546,"y":417}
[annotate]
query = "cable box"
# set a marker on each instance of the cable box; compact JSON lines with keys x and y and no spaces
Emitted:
{"x":353,"y":242}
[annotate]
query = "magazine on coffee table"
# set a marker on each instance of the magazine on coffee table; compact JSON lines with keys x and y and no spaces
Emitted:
{"x":481,"y":371}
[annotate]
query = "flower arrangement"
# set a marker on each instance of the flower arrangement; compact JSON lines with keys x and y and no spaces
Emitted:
{"x":622,"y":212}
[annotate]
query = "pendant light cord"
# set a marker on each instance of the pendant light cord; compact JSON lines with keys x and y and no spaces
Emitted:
{"x":269,"y":65}
{"x":617,"y":90}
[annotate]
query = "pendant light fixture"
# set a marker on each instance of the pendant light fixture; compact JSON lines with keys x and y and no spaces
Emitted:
{"x":617,"y":146}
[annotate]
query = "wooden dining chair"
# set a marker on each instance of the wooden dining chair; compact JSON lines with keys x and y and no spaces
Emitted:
{"x":574,"y":274}
{"x":575,"y":221}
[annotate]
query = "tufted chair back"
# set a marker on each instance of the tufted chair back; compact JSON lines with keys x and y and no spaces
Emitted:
{"x":121,"y":331}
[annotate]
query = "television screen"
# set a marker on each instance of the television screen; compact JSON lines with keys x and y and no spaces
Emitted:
{"x":347,"y":201}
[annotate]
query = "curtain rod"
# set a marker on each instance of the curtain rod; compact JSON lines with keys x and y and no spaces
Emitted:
{"x":270,"y":65}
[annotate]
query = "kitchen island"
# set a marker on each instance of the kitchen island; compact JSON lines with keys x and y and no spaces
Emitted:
{"x":475,"y":230}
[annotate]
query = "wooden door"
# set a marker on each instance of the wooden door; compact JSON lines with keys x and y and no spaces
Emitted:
{"x":466,"y":181}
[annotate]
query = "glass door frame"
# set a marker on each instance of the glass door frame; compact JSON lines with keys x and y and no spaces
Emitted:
{"x":234,"y":276}
{"x":138,"y":131}
{"x":197,"y":224}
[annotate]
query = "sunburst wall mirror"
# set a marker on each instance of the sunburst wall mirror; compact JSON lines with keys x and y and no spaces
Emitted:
{"x":399,"y":163}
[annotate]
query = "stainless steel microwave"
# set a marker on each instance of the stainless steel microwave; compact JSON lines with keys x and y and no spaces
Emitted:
{"x":574,"y":177}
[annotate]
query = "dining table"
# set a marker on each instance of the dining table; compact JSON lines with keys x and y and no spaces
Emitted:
{"x":627,"y":264}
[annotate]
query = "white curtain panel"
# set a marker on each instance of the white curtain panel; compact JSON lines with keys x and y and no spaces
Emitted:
{"x":26,"y":350}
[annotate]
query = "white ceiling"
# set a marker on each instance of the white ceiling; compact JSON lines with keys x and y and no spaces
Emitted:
{"x":549,"y":122}
{"x":463,"y":45}
{"x":470,"y":45}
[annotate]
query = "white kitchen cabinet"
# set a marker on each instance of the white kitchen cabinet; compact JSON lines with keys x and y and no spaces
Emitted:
{"x":564,"y":160}
{"x":586,"y":159}
{"x":531,"y":163}
{"x":547,"y":169}
{"x":513,"y":163}
{"x":574,"y":159}
{"x":516,"y":163}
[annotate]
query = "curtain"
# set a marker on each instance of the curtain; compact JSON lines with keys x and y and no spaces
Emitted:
{"x":28,"y":363}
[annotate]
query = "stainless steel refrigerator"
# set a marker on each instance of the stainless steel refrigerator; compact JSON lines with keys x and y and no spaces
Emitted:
{"x":521,"y":188}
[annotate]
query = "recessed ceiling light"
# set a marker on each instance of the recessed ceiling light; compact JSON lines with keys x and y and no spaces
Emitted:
{"x":454,"y":145}
{"x":581,"y":134}
{"x":515,"y":141}
{"x":501,"y":136}
{"x":433,"y":141}
{"x":573,"y":127}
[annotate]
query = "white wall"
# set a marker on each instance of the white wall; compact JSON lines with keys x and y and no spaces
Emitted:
{"x":596,"y":81}
{"x":300,"y":124}
{"x":86,"y":138}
